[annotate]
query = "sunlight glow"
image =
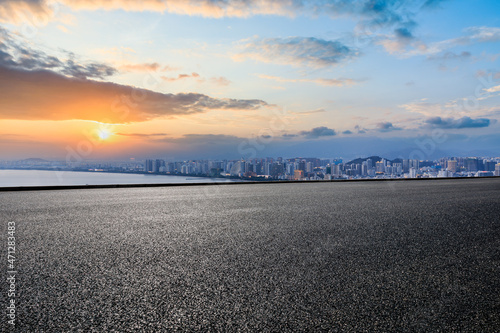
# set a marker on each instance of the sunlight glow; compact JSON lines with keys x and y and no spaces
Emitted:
{"x":104,"y":134}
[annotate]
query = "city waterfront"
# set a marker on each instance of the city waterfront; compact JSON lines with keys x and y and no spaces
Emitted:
{"x":16,"y":178}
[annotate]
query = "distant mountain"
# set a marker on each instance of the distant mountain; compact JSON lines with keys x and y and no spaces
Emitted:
{"x":374,"y":159}
{"x":425,"y":153}
{"x":34,"y":160}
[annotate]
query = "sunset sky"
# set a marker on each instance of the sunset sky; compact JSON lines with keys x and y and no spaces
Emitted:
{"x":124,"y":79}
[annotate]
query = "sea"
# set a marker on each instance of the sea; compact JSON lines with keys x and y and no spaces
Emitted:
{"x":15,"y":178}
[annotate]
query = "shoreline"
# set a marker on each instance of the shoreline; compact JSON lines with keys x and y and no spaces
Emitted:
{"x":104,"y":186}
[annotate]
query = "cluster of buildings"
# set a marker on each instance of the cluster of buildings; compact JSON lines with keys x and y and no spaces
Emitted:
{"x":319,"y":169}
{"x":283,"y":169}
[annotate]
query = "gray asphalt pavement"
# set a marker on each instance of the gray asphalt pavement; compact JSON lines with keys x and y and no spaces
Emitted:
{"x":347,"y":257}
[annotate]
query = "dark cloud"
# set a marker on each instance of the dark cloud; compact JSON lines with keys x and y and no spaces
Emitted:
{"x":403,"y":33}
{"x":298,"y":51}
{"x":204,"y":140}
{"x":347,"y":132}
{"x":14,"y":55}
{"x":386,"y":127}
{"x":90,"y":70}
{"x":142,"y":135}
{"x":464,"y":122}
{"x":359,"y":129}
{"x":319,"y":132}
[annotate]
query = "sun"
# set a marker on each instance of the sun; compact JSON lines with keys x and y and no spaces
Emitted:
{"x":104,"y":134}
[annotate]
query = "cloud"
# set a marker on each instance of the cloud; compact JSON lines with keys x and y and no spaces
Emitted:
{"x":403,"y":33}
{"x":483,"y":34}
{"x":371,"y":12}
{"x":490,"y":74}
{"x":221,"y":81}
{"x":399,"y":41}
{"x":63,"y":98}
{"x":473,"y":35}
{"x":348,"y":132}
{"x":144,"y":67}
{"x":450,"y":56}
{"x":318,"y":132}
{"x":181,"y":77}
{"x":304,"y":113}
{"x":493,"y":89}
{"x":386,"y":127}
{"x":297,"y":51}
{"x":15,"y":11}
{"x":204,"y":139}
{"x":205,"y":8}
{"x":360,"y":130}
{"x":142,"y":135}
{"x":423,"y":107}
{"x":320,"y":81}
{"x":464,"y":122}
{"x":13,"y":55}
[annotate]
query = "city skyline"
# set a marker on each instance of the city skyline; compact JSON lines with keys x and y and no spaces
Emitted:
{"x":279,"y":168}
{"x":218,"y":79}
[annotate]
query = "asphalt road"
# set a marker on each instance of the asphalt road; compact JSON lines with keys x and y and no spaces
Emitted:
{"x":359,"y":256}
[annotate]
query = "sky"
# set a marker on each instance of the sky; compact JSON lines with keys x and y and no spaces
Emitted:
{"x":215,"y":79}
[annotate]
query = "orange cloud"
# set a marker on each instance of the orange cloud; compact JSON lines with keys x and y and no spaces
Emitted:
{"x":22,"y":10}
{"x":181,"y":76}
{"x":145,"y":67}
{"x":46,"y":95}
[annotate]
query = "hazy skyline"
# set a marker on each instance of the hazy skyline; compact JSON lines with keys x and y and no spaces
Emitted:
{"x":230,"y":79}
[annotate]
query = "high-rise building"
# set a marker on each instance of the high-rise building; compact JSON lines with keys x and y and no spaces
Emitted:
{"x":489,"y":166}
{"x":472,"y":164}
{"x":298,"y":175}
{"x":406,"y":165}
{"x":364,"y":168}
{"x":414,"y":164}
{"x":309,"y":167}
{"x":148,"y":166}
{"x":452,"y":165}
{"x":497,"y":169}
{"x":156,"y":165}
{"x":380,"y":166}
{"x":336,"y":170}
{"x":369,"y":163}
{"x":413,"y":173}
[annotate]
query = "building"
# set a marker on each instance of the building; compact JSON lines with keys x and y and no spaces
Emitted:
{"x":148,"y":166}
{"x":472,"y":164}
{"x":489,"y":166}
{"x":444,"y":174}
{"x":484,"y":174}
{"x":413,"y":173}
{"x":452,"y":165}
{"x":380,"y":167}
{"x":497,"y":169}
{"x":298,"y":175}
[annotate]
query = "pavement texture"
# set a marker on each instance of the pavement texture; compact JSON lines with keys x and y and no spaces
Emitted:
{"x":407,"y":256}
